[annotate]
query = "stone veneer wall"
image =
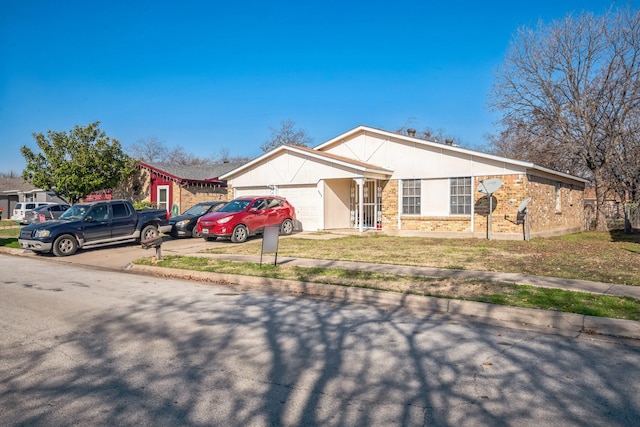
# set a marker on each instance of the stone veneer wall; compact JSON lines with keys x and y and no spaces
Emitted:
{"x":389,"y":204}
{"x":544,"y":220}
{"x":189,"y":195}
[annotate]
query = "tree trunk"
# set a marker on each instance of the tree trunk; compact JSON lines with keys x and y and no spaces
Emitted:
{"x":601,"y":218}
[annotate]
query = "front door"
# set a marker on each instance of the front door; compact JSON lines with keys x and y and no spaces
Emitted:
{"x":371,"y":205}
{"x":163,"y":197}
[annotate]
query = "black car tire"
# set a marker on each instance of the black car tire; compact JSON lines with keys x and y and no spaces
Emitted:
{"x":286,"y":227}
{"x":194,"y":233}
{"x":149,"y":232}
{"x":240,"y":234}
{"x":65,"y":245}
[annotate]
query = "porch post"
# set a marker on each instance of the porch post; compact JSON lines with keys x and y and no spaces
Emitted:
{"x":360,"y":182}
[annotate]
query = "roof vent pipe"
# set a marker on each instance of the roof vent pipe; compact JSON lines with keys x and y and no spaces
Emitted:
{"x":448,"y":141}
{"x":411,"y":132}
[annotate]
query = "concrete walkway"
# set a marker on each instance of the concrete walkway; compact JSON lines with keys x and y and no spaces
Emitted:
{"x":516,"y":278}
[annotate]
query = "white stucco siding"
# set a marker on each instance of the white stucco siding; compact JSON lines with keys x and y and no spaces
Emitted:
{"x":291,"y":168}
{"x":251,"y":191}
{"x":409,"y":159}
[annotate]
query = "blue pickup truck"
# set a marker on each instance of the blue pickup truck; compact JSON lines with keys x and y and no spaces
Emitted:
{"x":89,"y":225}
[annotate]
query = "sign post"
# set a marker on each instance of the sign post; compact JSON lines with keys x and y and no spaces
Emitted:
{"x":270,"y":238}
{"x":523,"y":209}
{"x":488,"y":187}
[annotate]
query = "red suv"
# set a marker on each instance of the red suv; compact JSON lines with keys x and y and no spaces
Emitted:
{"x":246,"y":216}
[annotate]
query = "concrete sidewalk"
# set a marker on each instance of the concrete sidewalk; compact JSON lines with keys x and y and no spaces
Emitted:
{"x":516,"y":278}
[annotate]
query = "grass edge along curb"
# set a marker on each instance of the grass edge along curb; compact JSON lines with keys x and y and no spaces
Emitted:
{"x":512,"y":295}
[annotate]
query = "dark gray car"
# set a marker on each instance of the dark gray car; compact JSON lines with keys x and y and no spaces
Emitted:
{"x":185,"y":225}
{"x":44,"y":213}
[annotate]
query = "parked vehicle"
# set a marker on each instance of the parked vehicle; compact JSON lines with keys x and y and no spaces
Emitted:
{"x":246,"y":216}
{"x":44,"y":213}
{"x":185,"y":225}
{"x":21,"y":208}
{"x":88,"y":225}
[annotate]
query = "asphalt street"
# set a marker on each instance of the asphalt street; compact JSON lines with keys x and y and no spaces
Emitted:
{"x":85,"y":346}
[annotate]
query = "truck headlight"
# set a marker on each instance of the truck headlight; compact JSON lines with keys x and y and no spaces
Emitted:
{"x":42,"y":233}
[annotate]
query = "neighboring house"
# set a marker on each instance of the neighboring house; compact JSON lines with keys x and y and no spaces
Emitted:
{"x":368,"y":178}
{"x":14,"y":190}
{"x":176,"y":188}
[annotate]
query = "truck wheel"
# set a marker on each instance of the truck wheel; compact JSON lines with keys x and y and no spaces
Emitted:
{"x":287,"y":227}
{"x":65,"y":245}
{"x":239,"y":234}
{"x":149,"y":232}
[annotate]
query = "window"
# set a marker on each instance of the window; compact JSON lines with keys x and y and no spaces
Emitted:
{"x":411,"y":196}
{"x":120,"y":210}
{"x":460,"y":196}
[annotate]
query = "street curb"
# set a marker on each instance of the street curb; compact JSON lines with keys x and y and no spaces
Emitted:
{"x":13,"y":251}
{"x":524,"y":318}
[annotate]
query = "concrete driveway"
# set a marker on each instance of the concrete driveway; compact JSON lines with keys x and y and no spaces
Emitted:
{"x":121,"y":256}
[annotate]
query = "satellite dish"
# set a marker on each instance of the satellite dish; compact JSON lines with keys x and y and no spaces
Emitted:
{"x":524,"y":204}
{"x":489,"y":186}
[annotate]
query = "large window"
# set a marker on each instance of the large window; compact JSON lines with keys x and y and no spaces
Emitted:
{"x":460,"y":193}
{"x":411,"y":196}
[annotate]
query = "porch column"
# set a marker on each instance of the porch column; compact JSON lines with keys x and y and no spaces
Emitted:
{"x":360,"y":183}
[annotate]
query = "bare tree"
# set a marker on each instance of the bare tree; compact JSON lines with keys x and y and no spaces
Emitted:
{"x":624,"y":174}
{"x":287,"y":134}
{"x":10,"y":174}
{"x":148,"y":150}
{"x":571,"y":88}
{"x":224,"y":156}
{"x":428,"y":134}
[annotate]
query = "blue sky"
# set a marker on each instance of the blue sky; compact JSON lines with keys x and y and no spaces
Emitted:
{"x":212,"y":76}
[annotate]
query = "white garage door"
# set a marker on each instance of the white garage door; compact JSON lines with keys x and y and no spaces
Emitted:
{"x":307,"y":202}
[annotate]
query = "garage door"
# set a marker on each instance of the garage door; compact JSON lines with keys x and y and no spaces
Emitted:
{"x":307,"y":202}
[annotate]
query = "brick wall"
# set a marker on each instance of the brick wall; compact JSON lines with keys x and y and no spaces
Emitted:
{"x":543,"y":217}
{"x":389,"y":204}
{"x":547,"y":218}
{"x":189,"y":195}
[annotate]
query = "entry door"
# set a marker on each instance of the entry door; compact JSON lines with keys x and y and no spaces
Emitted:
{"x":163,"y":197}
{"x":371,"y":206}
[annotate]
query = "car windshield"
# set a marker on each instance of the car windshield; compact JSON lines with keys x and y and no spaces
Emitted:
{"x":75,"y":212}
{"x":235,"y":206}
{"x":197,"y":210}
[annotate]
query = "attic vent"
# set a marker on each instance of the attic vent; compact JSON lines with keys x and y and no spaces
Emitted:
{"x":448,"y":141}
{"x":411,"y":132}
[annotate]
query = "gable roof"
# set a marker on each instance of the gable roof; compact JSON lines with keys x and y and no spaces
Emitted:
{"x":15,"y":186}
{"x":207,"y":173}
{"x":444,"y":147}
{"x":318,"y":155}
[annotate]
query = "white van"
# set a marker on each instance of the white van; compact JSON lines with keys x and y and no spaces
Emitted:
{"x":21,"y":208}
